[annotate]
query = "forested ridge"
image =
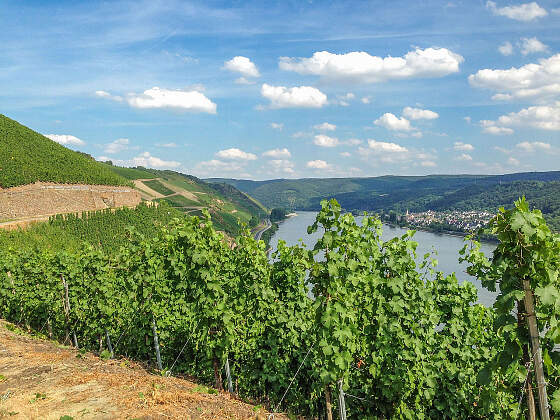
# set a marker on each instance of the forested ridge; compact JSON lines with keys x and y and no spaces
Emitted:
{"x":400,"y":339}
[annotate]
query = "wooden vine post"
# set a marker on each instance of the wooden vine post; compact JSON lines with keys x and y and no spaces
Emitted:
{"x":328,"y":402}
{"x":536,"y":349}
{"x":532,"y":413}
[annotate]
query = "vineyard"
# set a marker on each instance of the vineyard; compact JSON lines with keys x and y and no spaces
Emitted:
{"x":27,"y":157}
{"x":354,"y":325}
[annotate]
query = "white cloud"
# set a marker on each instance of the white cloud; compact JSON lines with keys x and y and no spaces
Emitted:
{"x":352,"y":142}
{"x":532,"y":45}
{"x":300,"y":134}
{"x":235,"y":154}
{"x":490,"y":127}
{"x":513,"y":161}
{"x":345,"y":154}
{"x":325,"y":127}
{"x":318,"y":164}
{"x":187,"y":100}
{"x":167,"y":145}
{"x":66,"y":139}
{"x":540,"y":117}
{"x":385,"y":147}
{"x":467,"y":119}
{"x":532,"y":81}
{"x":466,"y":147}
{"x":107,"y":95}
{"x":215,"y":167}
{"x":242,"y":65}
{"x":506,"y":48}
{"x":359,"y":66}
{"x":281,"y":165}
{"x":419,"y":114}
{"x":394,"y":123}
{"x":428,"y":163}
{"x":277,"y":126}
{"x":523,"y":12}
{"x":325,"y":141}
{"x":144,"y":159}
{"x":464,"y":157}
{"x":294,"y":97}
{"x":116,"y":146}
{"x":278,"y":153}
{"x":366,"y":100}
{"x":534,"y":146}
{"x":244,"y":81}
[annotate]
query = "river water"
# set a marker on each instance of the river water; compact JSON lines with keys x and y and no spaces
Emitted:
{"x":446,"y":246}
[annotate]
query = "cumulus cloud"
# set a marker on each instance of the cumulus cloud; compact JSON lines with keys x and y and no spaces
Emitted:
{"x":215,"y":167}
{"x":325,"y":141}
{"x":506,"y":48}
{"x":523,"y":12}
{"x":144,"y":159}
{"x":187,"y":100}
{"x":534,"y":146}
{"x":184,"y":100}
{"x":539,"y":117}
{"x":394,"y":123}
{"x":466,"y":147}
{"x":366,"y":100}
{"x":345,"y":154}
{"x":513,"y":161}
{"x":116,"y":146}
{"x":325,"y":127}
{"x":318,"y":164}
{"x":419,"y":114}
{"x":352,"y":142}
{"x":242,"y":65}
{"x":464,"y":157}
{"x":532,"y":45}
{"x":281,"y":166}
{"x":66,"y":139}
{"x":235,"y":154}
{"x":490,"y":127}
{"x":386,"y":147}
{"x":277,"y":126}
{"x":294,"y":97}
{"x":539,"y":81}
{"x":244,"y":81}
{"x":428,"y":163}
{"x":278,"y":153}
{"x":359,"y":66}
{"x":167,"y":145}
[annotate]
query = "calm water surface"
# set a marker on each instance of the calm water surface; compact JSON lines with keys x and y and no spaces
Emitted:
{"x":446,"y":246}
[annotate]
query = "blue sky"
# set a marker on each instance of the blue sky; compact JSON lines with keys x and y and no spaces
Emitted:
{"x":290,"y":89}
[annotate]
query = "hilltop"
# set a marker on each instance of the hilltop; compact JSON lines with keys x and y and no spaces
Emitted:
{"x":27,"y":157}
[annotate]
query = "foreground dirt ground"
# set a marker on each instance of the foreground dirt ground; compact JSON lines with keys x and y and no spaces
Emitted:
{"x":40,"y":379}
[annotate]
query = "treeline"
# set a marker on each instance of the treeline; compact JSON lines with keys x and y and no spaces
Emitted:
{"x":401,"y":340}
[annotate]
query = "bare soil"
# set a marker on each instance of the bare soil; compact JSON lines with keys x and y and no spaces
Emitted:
{"x":40,"y":379}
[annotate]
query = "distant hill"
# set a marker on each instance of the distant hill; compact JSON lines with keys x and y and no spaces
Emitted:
{"x":413,"y":193}
{"x":189,"y":194}
{"x":27,"y":157}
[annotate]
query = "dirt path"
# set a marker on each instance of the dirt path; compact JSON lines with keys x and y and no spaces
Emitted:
{"x":43,"y":380}
{"x":147,"y":191}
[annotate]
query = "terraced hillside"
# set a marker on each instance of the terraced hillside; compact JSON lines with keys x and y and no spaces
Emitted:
{"x":27,"y":157}
{"x":226,"y":204}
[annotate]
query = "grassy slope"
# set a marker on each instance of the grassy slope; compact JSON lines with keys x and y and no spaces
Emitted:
{"x":226,"y":204}
{"x":27,"y":156}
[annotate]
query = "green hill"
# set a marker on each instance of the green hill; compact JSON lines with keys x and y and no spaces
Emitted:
{"x":188,"y":194}
{"x":27,"y":156}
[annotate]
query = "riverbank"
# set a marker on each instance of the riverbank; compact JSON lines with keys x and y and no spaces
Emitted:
{"x":458,"y":234}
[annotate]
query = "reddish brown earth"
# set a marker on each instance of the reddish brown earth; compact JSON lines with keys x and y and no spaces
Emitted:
{"x":40,"y":379}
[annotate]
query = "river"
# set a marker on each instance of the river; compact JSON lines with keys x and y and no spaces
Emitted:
{"x":446,"y":246}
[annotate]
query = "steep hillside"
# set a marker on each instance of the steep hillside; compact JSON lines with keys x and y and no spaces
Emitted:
{"x":27,"y":156}
{"x":186,"y":193}
{"x":41,"y":379}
